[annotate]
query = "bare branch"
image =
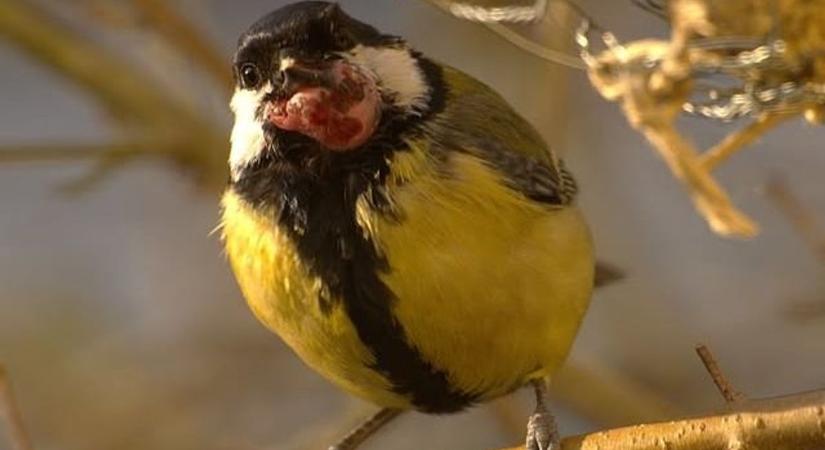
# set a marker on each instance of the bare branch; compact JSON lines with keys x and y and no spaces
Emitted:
{"x":70,"y":152}
{"x":168,"y":125}
{"x":120,"y":87}
{"x":730,"y":394}
{"x":800,"y":216}
{"x":709,"y":198}
{"x":184,"y":34}
{"x":786,"y":423}
{"x":9,"y":410}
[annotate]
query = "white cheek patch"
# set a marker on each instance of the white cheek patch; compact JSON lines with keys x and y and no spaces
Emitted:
{"x":247,"y":134}
{"x":398,"y":73}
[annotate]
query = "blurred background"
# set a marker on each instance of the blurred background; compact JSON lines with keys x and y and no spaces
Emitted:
{"x":121,"y":324}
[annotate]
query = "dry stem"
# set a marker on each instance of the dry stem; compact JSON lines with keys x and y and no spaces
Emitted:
{"x":165,"y":124}
{"x":730,"y":394}
{"x":119,"y":87}
{"x":9,"y":410}
{"x":652,"y":79}
{"x":184,"y":35}
{"x":801,"y":217}
{"x":739,"y":139}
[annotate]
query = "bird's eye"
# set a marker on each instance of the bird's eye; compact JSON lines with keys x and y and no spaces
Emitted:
{"x":250,"y":76}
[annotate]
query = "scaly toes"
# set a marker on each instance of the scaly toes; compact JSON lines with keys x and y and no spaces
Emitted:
{"x":541,"y":433}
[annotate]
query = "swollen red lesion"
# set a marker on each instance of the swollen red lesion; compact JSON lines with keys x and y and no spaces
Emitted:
{"x":341,"y":116}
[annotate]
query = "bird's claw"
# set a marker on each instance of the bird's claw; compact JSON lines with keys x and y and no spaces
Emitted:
{"x":541,"y":432}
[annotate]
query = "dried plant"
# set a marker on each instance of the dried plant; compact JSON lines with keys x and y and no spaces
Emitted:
{"x":760,"y":60}
{"x":150,"y":119}
{"x":768,"y":52}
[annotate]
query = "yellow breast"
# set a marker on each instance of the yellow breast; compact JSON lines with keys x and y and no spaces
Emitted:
{"x":492,"y":286}
{"x":284,"y":296}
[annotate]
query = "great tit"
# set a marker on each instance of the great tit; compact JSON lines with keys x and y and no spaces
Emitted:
{"x":397,"y":223}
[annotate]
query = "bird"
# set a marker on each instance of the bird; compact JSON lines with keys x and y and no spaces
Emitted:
{"x":397,"y":223}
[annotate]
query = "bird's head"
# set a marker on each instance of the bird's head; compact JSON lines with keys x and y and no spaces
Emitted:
{"x":309,"y":79}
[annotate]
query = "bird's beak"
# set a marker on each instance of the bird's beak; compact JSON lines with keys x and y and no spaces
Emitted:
{"x":294,"y":75}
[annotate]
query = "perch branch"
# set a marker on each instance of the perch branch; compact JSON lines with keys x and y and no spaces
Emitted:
{"x":9,"y":410}
{"x":786,"y":423}
{"x":594,"y":391}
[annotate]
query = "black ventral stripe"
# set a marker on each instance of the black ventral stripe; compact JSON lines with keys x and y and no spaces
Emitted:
{"x":315,"y":198}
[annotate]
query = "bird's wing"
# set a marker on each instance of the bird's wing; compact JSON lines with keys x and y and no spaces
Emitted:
{"x":482,"y":123}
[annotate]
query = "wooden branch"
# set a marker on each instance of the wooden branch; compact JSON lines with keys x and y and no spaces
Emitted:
{"x":9,"y":411}
{"x":787,"y":423}
{"x":599,"y":393}
{"x":183,"y":34}
{"x":651,"y":102}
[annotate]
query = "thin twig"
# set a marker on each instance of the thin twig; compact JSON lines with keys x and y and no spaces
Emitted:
{"x":725,"y":388}
{"x":142,"y":106}
{"x":801,"y":217}
{"x":182,"y":33}
{"x":736,"y":141}
{"x":18,"y":436}
{"x":708,"y":196}
{"x":115,"y":83}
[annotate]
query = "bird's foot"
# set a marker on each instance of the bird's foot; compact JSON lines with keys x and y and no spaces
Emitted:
{"x":541,"y":432}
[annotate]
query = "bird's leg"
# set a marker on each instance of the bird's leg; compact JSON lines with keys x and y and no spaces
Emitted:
{"x":542,"y":433}
{"x":366,"y":429}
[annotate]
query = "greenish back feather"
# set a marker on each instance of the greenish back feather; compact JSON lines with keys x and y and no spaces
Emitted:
{"x":477,"y":120}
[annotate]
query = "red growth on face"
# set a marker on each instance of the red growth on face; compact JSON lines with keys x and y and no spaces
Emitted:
{"x":341,"y":117}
